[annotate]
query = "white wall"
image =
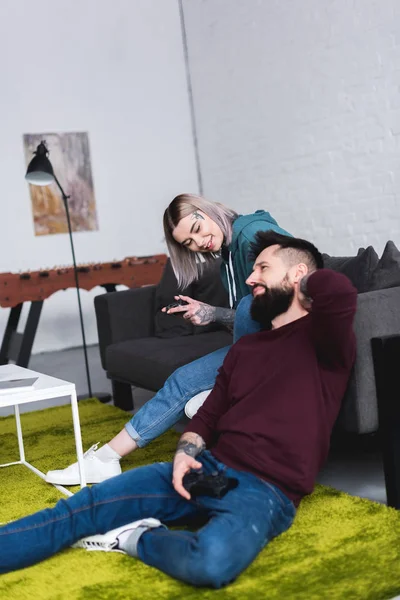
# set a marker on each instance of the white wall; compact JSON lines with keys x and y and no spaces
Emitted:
{"x":116,"y":70}
{"x":298,"y":111}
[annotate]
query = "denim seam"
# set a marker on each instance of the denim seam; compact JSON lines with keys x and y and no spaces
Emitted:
{"x":132,"y":433}
{"x":270,"y":486}
{"x":83,"y":508}
{"x":186,"y":397}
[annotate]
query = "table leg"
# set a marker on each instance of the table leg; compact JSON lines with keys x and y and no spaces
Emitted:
{"x":78,"y":437}
{"x":19,"y":433}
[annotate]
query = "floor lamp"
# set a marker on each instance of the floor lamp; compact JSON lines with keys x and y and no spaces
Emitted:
{"x":40,"y":172}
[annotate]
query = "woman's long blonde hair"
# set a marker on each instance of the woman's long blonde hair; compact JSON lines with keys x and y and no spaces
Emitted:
{"x":186,"y":264}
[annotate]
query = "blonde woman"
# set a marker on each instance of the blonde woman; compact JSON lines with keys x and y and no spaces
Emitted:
{"x":196,"y":231}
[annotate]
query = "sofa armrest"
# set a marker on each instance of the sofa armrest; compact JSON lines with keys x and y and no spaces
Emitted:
{"x":125,"y":315}
{"x":377,"y":315}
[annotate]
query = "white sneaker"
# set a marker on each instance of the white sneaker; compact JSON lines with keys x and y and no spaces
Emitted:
{"x":96,"y":470}
{"x":193,"y":405}
{"x":108,"y":542}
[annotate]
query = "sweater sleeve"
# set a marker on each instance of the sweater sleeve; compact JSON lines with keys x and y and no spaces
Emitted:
{"x":217,"y":403}
{"x":334,"y":303}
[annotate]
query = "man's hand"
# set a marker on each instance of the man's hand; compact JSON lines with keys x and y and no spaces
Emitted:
{"x":183,"y":464}
{"x":198,"y":313}
{"x":189,"y":446}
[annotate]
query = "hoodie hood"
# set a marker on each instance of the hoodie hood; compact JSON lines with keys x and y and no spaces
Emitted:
{"x":243,"y":221}
{"x":236,"y":266}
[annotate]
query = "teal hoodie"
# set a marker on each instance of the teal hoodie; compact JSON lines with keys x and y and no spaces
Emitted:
{"x":236,"y":266}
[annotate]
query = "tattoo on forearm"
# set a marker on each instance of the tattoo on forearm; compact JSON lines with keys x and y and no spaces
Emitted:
{"x":226,"y":316}
{"x":303,"y":285}
{"x":197,"y":216}
{"x":306,"y":302}
{"x":190,"y":448}
{"x":211,"y":314}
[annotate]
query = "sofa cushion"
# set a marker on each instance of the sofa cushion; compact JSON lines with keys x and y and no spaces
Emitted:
{"x":387,"y":271}
{"x":359,"y":269}
{"x":148,"y":362}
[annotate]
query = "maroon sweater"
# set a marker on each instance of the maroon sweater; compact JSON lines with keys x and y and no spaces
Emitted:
{"x":278,"y":393}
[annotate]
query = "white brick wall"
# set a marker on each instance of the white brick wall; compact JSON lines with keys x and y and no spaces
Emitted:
{"x":298,"y":111}
{"x":117,"y":71}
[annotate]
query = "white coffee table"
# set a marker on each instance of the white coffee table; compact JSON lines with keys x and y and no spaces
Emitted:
{"x":45,"y":388}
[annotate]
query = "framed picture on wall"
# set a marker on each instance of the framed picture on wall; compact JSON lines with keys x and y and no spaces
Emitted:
{"x":70,"y":157}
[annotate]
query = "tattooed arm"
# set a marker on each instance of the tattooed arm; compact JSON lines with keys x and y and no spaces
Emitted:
{"x":200,"y":313}
{"x":189,"y":446}
{"x":205,"y":314}
{"x":225,"y":316}
{"x":202,"y":429}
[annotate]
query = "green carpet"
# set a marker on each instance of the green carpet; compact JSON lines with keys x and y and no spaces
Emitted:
{"x":339,"y":547}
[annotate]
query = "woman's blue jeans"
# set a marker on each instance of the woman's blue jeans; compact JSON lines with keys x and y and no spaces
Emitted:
{"x":240,"y":524}
{"x":166,"y":408}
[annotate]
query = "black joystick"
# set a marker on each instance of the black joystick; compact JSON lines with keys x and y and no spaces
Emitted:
{"x":176,"y":304}
{"x":214,"y":485}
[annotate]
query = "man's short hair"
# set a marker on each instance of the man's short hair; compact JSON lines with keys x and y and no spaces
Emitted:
{"x":292,"y":250}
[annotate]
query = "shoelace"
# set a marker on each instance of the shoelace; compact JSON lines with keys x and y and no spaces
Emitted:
{"x":89,"y":454}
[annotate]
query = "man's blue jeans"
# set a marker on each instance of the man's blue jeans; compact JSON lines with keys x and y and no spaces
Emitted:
{"x":166,"y":408}
{"x":240,"y":524}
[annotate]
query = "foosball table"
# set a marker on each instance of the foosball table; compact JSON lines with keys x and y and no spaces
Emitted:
{"x":35,"y":286}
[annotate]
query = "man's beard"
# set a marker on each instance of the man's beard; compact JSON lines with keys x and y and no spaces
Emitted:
{"x":273,"y":302}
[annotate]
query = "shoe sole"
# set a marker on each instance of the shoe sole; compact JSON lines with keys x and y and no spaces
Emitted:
{"x":97,"y":542}
{"x":89,"y":548}
{"x":77,"y":481}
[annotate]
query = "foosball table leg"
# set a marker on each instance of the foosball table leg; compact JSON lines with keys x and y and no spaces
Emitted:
{"x":28,"y":337}
{"x":11,"y":329}
{"x":18,"y":346}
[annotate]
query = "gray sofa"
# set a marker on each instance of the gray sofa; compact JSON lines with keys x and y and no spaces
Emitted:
{"x":140,"y":346}
{"x":371,"y":404}
{"x":136,"y":352}
{"x":378,"y":315}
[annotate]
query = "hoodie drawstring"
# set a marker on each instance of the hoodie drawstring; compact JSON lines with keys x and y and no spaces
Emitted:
{"x":229,"y":286}
{"x":230,"y":275}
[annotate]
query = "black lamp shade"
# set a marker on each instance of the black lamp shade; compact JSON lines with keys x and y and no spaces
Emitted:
{"x":40,"y":170}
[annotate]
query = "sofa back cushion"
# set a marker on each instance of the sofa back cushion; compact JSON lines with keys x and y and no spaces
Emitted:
{"x":367,"y":271}
{"x":387,"y":272}
{"x":358,"y":268}
{"x":167,"y":326}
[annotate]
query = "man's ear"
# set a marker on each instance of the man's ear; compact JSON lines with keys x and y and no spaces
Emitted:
{"x":301,"y":271}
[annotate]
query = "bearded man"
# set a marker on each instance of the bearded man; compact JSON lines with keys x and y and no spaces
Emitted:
{"x":261,"y":436}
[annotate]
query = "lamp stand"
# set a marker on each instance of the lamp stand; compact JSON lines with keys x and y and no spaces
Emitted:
{"x":40,"y":172}
{"x":65,"y":200}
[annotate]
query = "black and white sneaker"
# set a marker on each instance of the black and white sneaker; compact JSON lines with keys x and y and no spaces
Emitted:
{"x":108,"y":542}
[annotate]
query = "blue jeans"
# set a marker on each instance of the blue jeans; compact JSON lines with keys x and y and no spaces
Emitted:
{"x":241,"y":523}
{"x":166,"y":408}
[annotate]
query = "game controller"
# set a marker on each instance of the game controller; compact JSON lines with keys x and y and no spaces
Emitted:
{"x":216,"y":486}
{"x":176,"y":304}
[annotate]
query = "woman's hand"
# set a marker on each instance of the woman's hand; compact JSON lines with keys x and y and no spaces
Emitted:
{"x":198,"y":313}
